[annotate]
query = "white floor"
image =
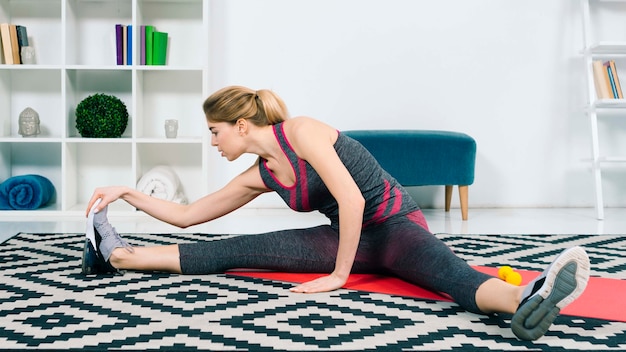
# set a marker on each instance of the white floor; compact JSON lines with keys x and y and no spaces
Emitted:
{"x":481,"y":221}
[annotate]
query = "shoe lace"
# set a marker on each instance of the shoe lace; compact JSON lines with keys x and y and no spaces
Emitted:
{"x":110,"y":232}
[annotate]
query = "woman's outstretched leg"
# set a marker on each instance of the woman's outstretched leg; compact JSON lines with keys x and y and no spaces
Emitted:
{"x":300,"y":250}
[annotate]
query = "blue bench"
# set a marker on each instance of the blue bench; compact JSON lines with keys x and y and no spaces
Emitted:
{"x":424,"y":158}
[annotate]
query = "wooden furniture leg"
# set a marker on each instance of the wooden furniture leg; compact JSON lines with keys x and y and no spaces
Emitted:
{"x":448,"y":196}
{"x":463,"y":195}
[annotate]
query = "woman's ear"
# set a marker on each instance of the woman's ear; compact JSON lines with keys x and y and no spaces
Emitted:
{"x":242,"y":127}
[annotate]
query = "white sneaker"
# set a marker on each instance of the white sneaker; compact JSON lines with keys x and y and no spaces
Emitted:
{"x":542,"y":300}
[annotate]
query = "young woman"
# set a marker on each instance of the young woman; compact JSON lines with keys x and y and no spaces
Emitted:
{"x":375,"y":226}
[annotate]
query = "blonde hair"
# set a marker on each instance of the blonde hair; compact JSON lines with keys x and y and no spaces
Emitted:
{"x":262,"y":107}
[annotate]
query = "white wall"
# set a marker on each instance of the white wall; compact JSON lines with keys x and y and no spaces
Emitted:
{"x":507,"y":73}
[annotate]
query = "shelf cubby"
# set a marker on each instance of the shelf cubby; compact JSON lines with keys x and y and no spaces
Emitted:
{"x":81,"y":83}
{"x":170,"y":94}
{"x":91,"y":164}
{"x":43,"y":20}
{"x":183,"y":158}
{"x":41,"y":158}
{"x":90,"y":30}
{"x":39,"y":89}
{"x":183,"y":21}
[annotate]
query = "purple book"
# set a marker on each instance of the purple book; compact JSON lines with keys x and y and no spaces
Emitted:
{"x":119,"y":45}
{"x":142,"y":45}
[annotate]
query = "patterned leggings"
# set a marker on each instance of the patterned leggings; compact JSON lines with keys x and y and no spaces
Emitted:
{"x":399,"y":247}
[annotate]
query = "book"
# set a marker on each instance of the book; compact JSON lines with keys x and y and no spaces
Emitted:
{"x":124,"y":47}
{"x":159,"y":50}
{"x":22,"y":36}
{"x":118,"y":45}
{"x":618,"y":86}
{"x":142,"y":45}
{"x":612,"y":88}
{"x":129,"y":44}
{"x":149,"y":46}
{"x":6,"y":43}
{"x":15,"y":47}
{"x":607,"y":81}
{"x":22,"y":40}
{"x":599,"y":80}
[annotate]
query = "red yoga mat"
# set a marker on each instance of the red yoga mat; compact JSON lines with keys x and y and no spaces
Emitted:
{"x":602,"y":299}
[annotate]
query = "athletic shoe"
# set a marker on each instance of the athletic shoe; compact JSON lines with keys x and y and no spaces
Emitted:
{"x":94,"y":261}
{"x":106,"y":237}
{"x":91,"y":263}
{"x":542,"y":300}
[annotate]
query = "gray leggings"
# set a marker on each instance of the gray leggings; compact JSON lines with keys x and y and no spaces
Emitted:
{"x":398,"y":247}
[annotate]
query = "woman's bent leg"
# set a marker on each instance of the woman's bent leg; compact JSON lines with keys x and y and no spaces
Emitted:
{"x":417,"y":256}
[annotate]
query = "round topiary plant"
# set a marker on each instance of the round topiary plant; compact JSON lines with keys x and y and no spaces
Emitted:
{"x":101,"y":116}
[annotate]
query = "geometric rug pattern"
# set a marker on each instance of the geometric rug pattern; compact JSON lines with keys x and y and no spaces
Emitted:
{"x":45,"y":303}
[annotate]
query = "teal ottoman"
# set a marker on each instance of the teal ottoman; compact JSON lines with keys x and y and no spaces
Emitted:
{"x":424,"y":158}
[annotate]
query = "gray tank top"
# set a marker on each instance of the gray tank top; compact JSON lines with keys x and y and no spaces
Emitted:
{"x":384,"y":196}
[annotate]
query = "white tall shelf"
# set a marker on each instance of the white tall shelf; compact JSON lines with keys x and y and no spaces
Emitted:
{"x":596,"y":48}
{"x":75,"y":52}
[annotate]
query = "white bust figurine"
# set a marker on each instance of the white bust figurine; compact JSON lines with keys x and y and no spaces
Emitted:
{"x":29,"y":123}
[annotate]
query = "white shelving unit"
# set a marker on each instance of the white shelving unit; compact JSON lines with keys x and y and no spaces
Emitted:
{"x":604,"y":109}
{"x":75,"y":52}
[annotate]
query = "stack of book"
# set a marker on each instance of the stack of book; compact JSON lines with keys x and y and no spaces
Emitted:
{"x":13,"y":37}
{"x":152,"y":45}
{"x":606,"y":80}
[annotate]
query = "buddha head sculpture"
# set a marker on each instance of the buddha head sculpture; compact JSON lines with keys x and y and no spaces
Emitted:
{"x":29,"y":123}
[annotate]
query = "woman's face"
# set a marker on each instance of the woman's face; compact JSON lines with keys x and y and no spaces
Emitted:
{"x":226,"y":138}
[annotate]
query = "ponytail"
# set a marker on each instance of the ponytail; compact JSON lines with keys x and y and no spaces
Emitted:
{"x":272,"y":106}
{"x":262,"y":107}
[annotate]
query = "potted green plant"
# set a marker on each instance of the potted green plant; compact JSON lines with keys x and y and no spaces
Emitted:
{"x":101,"y":116}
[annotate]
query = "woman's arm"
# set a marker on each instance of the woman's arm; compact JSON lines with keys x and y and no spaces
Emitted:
{"x":314,"y":142}
{"x":241,"y":190}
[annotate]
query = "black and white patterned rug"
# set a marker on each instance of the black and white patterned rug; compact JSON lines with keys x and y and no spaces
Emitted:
{"x":45,"y":303}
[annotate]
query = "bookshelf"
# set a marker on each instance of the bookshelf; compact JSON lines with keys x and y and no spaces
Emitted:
{"x":601,"y":111}
{"x":74,"y":42}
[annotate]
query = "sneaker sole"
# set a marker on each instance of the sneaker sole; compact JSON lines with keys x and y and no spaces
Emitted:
{"x":564,"y":283}
{"x":90,"y":230}
{"x":89,"y":260}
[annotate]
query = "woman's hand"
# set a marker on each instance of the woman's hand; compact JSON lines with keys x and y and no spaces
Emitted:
{"x":106,"y":195}
{"x":323,"y":284}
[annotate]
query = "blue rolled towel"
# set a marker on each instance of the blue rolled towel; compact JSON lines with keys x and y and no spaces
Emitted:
{"x":26,"y":192}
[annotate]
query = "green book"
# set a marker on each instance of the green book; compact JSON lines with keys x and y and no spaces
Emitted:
{"x":149,"y":44}
{"x":159,"y":52}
